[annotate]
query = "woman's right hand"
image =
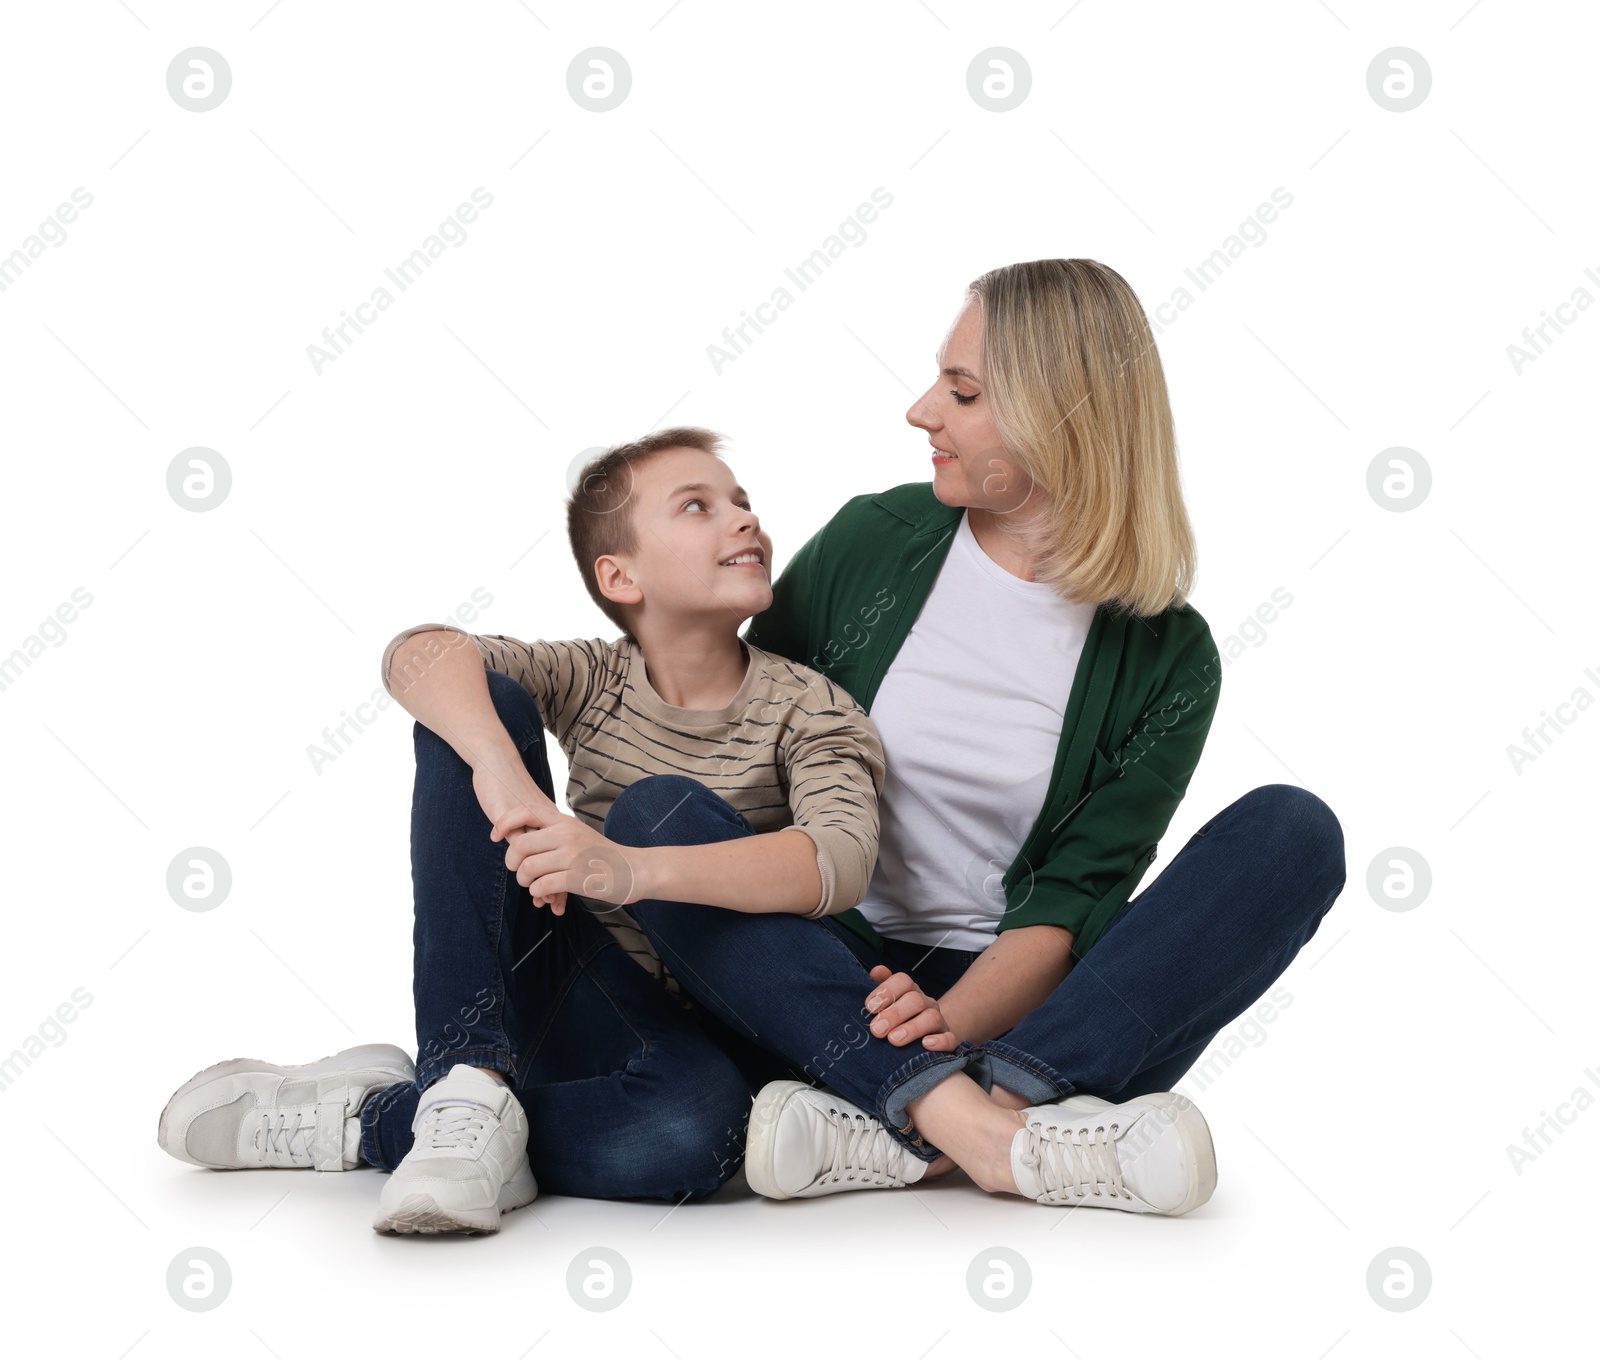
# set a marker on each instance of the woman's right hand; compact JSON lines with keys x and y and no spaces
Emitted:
{"x":902,"y":1011}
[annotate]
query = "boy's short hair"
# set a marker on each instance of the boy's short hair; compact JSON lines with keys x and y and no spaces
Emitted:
{"x":600,"y":520}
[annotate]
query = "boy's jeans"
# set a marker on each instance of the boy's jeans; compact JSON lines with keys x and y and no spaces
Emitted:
{"x":626,"y":1093}
{"x":1176,"y":964}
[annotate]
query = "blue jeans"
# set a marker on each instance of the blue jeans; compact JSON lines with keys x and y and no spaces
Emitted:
{"x":1177,"y":963}
{"x":628,"y":1094}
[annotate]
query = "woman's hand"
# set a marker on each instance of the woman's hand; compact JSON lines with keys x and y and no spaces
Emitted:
{"x":553,"y":854}
{"x":904,"y":1012}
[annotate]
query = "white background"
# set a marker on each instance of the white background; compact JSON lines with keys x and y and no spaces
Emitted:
{"x":430,"y":459}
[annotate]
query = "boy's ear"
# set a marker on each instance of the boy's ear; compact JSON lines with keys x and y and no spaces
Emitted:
{"x":611,"y":576}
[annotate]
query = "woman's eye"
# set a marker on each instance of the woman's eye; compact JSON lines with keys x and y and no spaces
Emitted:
{"x":693,"y":500}
{"x":965,"y":401}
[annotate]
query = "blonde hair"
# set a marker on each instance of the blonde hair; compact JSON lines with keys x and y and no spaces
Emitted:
{"x":1075,"y":385}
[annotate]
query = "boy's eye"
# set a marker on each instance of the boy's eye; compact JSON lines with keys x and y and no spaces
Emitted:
{"x":695,"y":500}
{"x":965,"y":401}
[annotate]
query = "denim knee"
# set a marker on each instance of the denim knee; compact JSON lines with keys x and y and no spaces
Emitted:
{"x":639,"y":808}
{"x":1305,"y":826}
{"x":670,"y":809}
{"x":1315,"y":829}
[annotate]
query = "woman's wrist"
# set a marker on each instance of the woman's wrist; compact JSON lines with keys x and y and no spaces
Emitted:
{"x":955,"y":1020}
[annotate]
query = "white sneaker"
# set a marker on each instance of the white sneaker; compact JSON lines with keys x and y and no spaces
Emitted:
{"x":1150,"y":1155}
{"x":248,"y":1113}
{"x":469,"y":1163}
{"x":804,"y":1142}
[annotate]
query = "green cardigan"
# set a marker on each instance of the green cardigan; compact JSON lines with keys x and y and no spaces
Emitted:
{"x":1142,"y":701}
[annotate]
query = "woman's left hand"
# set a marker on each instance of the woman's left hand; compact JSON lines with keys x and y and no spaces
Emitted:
{"x":903,"y":1012}
{"x":552,"y":853}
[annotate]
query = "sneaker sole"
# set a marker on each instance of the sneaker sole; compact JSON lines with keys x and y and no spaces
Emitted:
{"x":1199,"y":1152}
{"x":369,"y":1057}
{"x":761,"y":1138}
{"x":420,"y":1213}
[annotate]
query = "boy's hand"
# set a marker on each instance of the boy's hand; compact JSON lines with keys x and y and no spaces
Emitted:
{"x":502,"y":785}
{"x":903,"y":1012}
{"x":553,"y":854}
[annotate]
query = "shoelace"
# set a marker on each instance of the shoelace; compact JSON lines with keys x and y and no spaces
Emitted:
{"x":858,"y":1146}
{"x":459,"y":1127}
{"x":1081,"y":1165}
{"x":283,"y":1138}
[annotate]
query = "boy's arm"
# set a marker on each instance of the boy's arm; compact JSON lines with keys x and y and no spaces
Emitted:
{"x":774,"y":871}
{"x":439,"y":679}
{"x":835,"y":766}
{"x":836,"y":772}
{"x":561,"y":676}
{"x":436,"y":675}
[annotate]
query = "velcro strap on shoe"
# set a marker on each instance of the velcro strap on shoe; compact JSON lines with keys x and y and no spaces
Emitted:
{"x":327,"y":1148}
{"x":502,"y":1100}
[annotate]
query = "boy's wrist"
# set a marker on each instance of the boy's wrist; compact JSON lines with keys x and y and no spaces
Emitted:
{"x":502,"y":782}
{"x":650,"y":875}
{"x":491,"y":749}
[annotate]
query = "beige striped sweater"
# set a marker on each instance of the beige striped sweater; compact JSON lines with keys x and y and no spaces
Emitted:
{"x":789,"y":749}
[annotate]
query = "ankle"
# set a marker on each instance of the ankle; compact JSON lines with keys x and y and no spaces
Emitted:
{"x":991,"y":1168}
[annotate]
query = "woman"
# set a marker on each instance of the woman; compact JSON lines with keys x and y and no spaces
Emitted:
{"x":1019,"y":632}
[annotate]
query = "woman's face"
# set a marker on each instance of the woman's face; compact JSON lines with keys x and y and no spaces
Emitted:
{"x":970,"y":467}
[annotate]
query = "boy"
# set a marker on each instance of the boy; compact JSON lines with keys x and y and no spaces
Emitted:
{"x":538,"y":1042}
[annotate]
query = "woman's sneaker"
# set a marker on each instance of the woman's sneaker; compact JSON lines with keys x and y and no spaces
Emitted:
{"x":468,"y":1163}
{"x":1150,"y":1155}
{"x":246,"y":1113}
{"x":804,"y":1142}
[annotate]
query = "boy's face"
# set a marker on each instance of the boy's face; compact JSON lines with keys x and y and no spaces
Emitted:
{"x":691,"y":517}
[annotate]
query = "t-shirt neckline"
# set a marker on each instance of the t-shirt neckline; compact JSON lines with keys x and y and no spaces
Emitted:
{"x":652,"y":703}
{"x":1037,"y":590}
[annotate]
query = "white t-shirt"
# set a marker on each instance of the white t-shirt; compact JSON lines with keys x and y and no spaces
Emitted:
{"x":969,"y":714}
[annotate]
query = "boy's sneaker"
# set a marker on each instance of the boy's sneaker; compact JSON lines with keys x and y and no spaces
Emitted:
{"x":247,"y":1113}
{"x":1150,"y":1155}
{"x":804,"y":1142}
{"x":469,"y":1163}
